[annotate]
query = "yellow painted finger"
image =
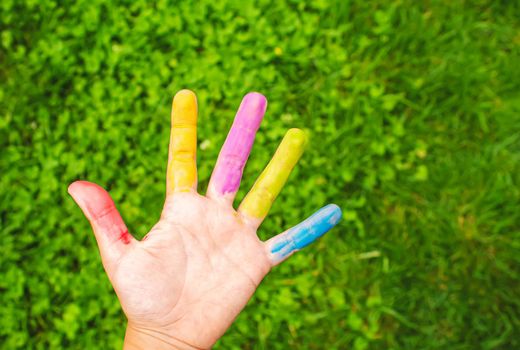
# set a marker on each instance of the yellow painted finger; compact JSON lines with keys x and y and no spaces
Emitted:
{"x":258,"y":201}
{"x":182,"y":166}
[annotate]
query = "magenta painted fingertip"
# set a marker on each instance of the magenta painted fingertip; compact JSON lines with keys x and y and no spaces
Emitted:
{"x":254,"y":104}
{"x":237,"y":147}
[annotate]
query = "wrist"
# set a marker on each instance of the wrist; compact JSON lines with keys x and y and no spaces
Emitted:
{"x":139,"y":338}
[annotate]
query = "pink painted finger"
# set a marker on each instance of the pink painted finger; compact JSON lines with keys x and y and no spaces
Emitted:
{"x":111,"y":233}
{"x":233,"y":156}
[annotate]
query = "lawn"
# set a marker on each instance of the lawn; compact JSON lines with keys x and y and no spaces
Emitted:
{"x":413,"y":108}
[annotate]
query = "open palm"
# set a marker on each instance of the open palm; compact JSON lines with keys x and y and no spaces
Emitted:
{"x":187,"y":280}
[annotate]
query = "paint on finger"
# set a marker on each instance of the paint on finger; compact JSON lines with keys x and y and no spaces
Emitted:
{"x":237,"y":147}
{"x":100,"y":210}
{"x":182,"y":168}
{"x":306,"y":232}
{"x":269,"y":184}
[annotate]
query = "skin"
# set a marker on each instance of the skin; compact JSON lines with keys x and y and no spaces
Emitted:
{"x":183,"y":285}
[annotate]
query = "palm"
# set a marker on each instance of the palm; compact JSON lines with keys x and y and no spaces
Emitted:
{"x":201,"y":262}
{"x":188,"y":279}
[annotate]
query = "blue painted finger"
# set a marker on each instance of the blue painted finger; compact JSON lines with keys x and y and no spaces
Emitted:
{"x":303,"y":234}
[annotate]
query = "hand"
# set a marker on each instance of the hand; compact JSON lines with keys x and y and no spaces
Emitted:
{"x":185,"y":282}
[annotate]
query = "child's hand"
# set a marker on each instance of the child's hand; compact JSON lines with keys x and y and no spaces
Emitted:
{"x":182,"y":286}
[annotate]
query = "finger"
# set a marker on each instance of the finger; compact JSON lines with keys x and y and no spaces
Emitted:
{"x":303,"y":234}
{"x":258,"y":201}
{"x":182,"y":167}
{"x":111,"y":233}
{"x":227,"y":174}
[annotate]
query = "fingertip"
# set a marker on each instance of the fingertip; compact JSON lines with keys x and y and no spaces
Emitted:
{"x":91,"y":197}
{"x":81,"y":187}
{"x":184,"y":94}
{"x":73,"y":191}
{"x":77,"y":189}
{"x":251,"y":111}
{"x":256,"y":101}
{"x":185,"y":99}
{"x":72,"y":187}
{"x":297,"y":138}
{"x":333,"y":212}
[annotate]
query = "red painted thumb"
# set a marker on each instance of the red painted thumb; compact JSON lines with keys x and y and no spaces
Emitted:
{"x":99,"y":208}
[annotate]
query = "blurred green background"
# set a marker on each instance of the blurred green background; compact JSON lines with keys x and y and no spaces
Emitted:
{"x":413,"y":108}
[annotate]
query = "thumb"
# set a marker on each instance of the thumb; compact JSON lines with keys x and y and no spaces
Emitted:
{"x":111,"y":233}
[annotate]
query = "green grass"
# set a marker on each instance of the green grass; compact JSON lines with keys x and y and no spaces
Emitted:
{"x":414,"y":113}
